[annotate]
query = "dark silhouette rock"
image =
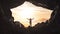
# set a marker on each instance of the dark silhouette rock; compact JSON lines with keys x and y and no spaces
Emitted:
{"x":54,"y":21}
{"x":6,"y":19}
{"x":18,"y":24}
{"x":8,"y":26}
{"x":50,"y":4}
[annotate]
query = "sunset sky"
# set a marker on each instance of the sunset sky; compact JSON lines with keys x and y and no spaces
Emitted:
{"x":27,"y":10}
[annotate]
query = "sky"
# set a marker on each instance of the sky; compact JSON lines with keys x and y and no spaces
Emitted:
{"x":28,"y":10}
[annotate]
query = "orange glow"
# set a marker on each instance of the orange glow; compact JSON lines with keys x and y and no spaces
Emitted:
{"x":28,"y":10}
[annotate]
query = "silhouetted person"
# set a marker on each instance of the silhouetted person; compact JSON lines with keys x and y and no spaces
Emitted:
{"x":30,"y":21}
{"x":54,"y":5}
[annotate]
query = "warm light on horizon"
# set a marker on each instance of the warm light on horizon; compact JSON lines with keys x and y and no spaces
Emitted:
{"x":28,"y":10}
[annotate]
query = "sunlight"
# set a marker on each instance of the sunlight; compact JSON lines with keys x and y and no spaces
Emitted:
{"x":26,"y":13}
{"x":28,"y":10}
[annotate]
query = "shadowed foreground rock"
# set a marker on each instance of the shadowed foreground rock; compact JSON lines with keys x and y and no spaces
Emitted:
{"x":8,"y":26}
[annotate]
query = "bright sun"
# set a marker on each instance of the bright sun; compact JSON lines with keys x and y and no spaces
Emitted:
{"x":27,"y":13}
{"x":28,"y":10}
